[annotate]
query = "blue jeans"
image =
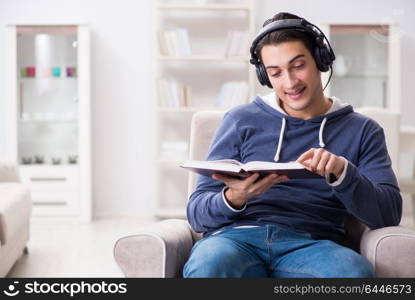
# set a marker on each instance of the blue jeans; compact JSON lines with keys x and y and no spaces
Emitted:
{"x":272,"y":251}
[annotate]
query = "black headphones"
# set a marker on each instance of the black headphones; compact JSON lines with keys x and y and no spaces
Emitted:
{"x":323,"y":53}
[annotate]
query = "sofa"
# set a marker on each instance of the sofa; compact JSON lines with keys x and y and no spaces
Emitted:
{"x":15,"y":212}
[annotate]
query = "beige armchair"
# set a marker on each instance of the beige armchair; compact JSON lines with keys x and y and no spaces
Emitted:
{"x":161,"y":249}
{"x":15,"y":212}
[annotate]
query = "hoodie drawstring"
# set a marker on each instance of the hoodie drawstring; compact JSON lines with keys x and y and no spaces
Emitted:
{"x":320,"y":134}
{"x":320,"y":137}
{"x":277,"y":154}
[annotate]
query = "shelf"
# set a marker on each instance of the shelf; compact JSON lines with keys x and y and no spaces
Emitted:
{"x":244,"y":59}
{"x":48,"y":165}
{"x":205,"y":6}
{"x":187,"y":109}
{"x":46,"y":78}
{"x":46,"y":121}
{"x":373,"y":76}
{"x":171,"y":161}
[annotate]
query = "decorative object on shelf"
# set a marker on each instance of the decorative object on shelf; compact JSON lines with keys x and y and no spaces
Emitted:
{"x":71,"y":71}
{"x":39,"y":159}
{"x":56,"y":160}
{"x":47,"y":72}
{"x":56,"y":71}
{"x":31,"y":71}
{"x":26,"y":160}
{"x":23,"y":72}
{"x":72,"y":159}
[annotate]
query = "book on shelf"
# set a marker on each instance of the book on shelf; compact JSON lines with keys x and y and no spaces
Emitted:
{"x":234,"y":168}
{"x":174,"y":42}
{"x":173,"y":94}
{"x":232,"y":93}
{"x":237,"y":43}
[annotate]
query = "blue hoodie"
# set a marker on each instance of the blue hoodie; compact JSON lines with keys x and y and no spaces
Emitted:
{"x":259,"y":132}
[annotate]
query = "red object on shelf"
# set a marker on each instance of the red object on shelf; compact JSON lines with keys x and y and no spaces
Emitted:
{"x":31,"y":71}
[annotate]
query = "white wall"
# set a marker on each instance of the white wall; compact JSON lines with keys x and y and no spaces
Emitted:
{"x":122,"y":97}
{"x":122,"y":71}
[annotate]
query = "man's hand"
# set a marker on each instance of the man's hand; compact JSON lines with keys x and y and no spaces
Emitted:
{"x":240,"y":191}
{"x":322,"y":162}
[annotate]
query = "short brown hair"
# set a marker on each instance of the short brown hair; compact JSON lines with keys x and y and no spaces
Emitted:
{"x":284,"y":35}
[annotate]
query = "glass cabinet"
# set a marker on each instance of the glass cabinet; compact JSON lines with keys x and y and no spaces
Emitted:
{"x":49,"y":105}
{"x":47,"y":95}
{"x":367,"y":67}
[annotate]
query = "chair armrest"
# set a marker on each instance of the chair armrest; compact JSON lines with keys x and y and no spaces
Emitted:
{"x":8,"y":172}
{"x":159,"y":250}
{"x":15,"y":209}
{"x":390,"y":250}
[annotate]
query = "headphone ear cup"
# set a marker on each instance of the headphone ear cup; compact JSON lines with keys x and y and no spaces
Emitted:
{"x":322,"y":55}
{"x":262,"y":75}
{"x":319,"y":58}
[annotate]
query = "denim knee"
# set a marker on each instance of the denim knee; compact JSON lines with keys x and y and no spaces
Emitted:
{"x":207,"y":259}
{"x":221,"y":257}
{"x":345,"y":262}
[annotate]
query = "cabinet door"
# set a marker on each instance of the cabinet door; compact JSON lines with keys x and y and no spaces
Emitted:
{"x":47,"y":95}
{"x":366,"y":69}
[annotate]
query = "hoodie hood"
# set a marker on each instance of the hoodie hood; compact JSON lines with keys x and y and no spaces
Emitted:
{"x":271,"y":104}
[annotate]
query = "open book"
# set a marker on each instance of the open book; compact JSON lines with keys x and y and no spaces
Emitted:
{"x":230,"y":167}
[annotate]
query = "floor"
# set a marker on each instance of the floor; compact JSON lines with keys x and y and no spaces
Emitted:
{"x":68,"y":249}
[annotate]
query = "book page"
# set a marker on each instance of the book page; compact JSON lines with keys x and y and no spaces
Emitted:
{"x":219,"y":165}
{"x":265,"y":165}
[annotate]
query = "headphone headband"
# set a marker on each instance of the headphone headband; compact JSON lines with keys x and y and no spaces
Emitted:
{"x":323,"y":53}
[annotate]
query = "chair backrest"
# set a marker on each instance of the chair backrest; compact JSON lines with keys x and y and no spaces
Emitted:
{"x":390,"y":122}
{"x":202,"y":130}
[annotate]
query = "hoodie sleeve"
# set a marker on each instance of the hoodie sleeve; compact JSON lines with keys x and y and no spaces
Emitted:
{"x":370,"y":190}
{"x":206,"y":208}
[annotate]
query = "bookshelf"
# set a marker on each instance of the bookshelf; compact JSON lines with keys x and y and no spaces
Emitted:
{"x":202,"y":64}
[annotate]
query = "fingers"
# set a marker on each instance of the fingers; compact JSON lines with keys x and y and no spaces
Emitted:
{"x":266,"y":183}
{"x":321,"y":161}
{"x":249,"y":184}
{"x":320,"y":164}
{"x":306,"y":155}
{"x":224,"y":178}
{"x":335,"y":165}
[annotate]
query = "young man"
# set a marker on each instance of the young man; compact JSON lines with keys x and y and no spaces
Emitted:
{"x":281,"y":227}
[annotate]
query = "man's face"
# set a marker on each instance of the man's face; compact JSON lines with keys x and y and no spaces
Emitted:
{"x":294,"y":76}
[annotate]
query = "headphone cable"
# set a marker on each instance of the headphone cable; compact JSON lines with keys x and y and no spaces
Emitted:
{"x":331,"y":73}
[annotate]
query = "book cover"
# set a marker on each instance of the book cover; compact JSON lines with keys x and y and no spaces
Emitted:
{"x":293,"y":170}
